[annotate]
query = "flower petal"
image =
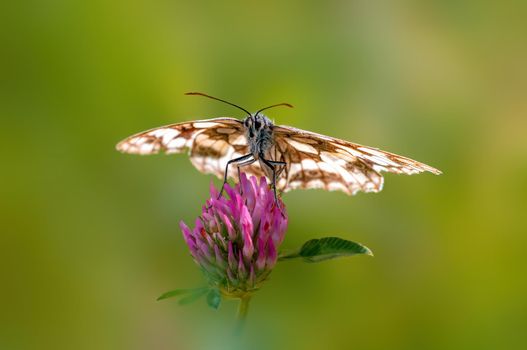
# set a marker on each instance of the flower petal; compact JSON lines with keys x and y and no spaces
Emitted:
{"x":230,"y":257}
{"x":271,"y":255}
{"x":189,"y":238}
{"x":242,"y":271}
{"x":247,"y":231}
{"x":260,"y":261}
{"x":228,"y":225}
{"x":213,"y":192}
{"x":219,"y":258}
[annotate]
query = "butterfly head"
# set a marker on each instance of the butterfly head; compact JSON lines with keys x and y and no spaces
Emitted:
{"x":258,"y":128}
{"x":256,"y":124}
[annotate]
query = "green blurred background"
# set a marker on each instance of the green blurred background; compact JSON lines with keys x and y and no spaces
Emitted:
{"x":89,"y":237}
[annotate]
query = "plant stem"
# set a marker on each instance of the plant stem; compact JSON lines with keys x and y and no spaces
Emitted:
{"x":242,"y":311}
{"x":243,"y":307}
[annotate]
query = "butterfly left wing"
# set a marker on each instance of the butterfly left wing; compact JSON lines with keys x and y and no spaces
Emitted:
{"x":319,"y":161}
{"x":211,"y":143}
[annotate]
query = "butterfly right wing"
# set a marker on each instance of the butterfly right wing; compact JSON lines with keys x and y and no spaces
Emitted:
{"x":319,"y":161}
{"x":211,"y":144}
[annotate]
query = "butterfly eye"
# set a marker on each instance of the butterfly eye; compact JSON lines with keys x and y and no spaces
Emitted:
{"x":246,"y":122}
{"x":257,"y":124}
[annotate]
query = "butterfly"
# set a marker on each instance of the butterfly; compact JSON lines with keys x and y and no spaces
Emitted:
{"x":290,"y":158}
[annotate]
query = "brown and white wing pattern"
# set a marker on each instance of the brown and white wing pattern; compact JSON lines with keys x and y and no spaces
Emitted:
{"x":211,"y":143}
{"x":319,"y":161}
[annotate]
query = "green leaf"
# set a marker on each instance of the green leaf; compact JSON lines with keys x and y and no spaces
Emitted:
{"x":193,"y":297}
{"x":316,"y":250}
{"x":177,"y":292}
{"x":214,"y":298}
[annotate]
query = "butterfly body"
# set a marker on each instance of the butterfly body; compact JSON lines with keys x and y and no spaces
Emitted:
{"x":259,"y":134}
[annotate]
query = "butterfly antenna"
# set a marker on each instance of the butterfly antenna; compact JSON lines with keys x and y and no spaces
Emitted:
{"x":276,"y":105}
{"x":218,"y":99}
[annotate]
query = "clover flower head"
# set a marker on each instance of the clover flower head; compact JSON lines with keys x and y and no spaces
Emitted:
{"x":236,"y":238}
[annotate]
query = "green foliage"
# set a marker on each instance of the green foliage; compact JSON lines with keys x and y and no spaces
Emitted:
{"x":214,"y":298}
{"x":193,"y":294}
{"x":317,"y":250}
{"x":190,"y":295}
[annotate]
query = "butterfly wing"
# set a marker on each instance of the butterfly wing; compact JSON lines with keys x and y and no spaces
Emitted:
{"x":211,"y":143}
{"x":319,"y":161}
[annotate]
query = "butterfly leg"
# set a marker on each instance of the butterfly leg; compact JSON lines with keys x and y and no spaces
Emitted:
{"x":281,"y":164}
{"x":271,"y":164}
{"x":277,"y":172}
{"x":235,"y":160}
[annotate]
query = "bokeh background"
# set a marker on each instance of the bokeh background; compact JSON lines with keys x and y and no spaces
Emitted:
{"x":89,"y":237}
